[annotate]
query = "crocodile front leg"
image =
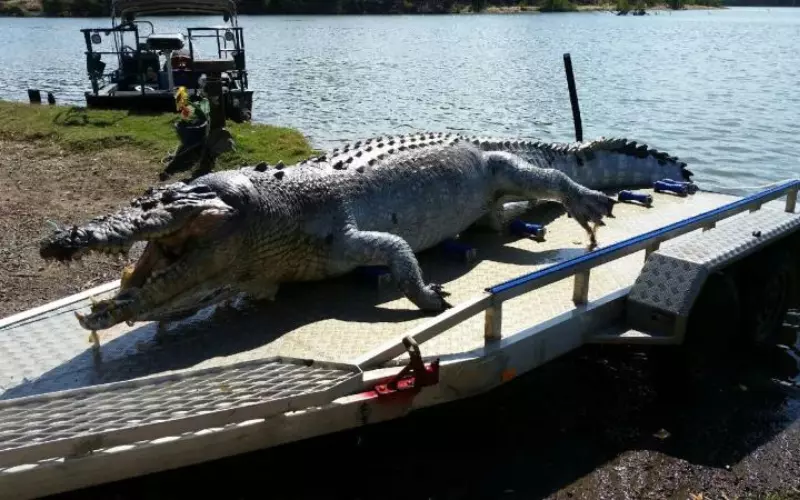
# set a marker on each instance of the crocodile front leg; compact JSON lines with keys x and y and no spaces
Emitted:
{"x":372,"y":248}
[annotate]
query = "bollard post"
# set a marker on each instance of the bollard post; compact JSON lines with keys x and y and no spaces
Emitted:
{"x":573,"y":98}
{"x":35,"y":96}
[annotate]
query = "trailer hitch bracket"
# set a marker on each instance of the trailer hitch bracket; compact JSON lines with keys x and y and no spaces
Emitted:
{"x":421,"y":375}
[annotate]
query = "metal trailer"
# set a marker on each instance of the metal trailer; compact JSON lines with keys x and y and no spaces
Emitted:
{"x":72,"y":416}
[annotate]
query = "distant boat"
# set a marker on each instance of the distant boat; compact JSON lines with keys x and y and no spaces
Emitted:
{"x":142,"y":81}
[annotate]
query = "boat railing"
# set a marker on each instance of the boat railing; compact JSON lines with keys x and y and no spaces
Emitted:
{"x":579,"y":268}
{"x":235,"y":52}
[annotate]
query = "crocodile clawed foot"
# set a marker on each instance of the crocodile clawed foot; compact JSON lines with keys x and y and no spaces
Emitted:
{"x":588,"y":207}
{"x":441,"y":294}
{"x":436,"y":287}
{"x":592,"y":241}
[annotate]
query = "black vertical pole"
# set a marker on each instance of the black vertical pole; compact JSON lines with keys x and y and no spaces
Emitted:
{"x":573,"y":98}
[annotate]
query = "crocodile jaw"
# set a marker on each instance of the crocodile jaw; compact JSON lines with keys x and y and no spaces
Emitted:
{"x":192,"y":239}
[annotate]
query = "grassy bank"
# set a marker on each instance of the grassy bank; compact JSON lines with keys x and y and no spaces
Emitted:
{"x":100,"y":8}
{"x":66,"y":165}
{"x":79,"y":130}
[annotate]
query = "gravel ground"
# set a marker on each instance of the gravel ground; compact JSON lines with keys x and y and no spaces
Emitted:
{"x":599,"y":423}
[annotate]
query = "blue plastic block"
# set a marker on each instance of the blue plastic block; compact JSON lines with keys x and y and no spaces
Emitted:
{"x":662,"y":186}
{"x":459,"y":251}
{"x":521,"y":228}
{"x":643,"y":198}
{"x":690,"y":186}
{"x":374,"y":275}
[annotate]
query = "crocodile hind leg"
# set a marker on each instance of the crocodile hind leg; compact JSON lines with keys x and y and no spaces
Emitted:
{"x":373,"y":248}
{"x":501,"y":213}
{"x":516,"y":177}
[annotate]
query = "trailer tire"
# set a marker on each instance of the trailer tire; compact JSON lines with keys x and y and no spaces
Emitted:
{"x":715,"y":316}
{"x":767,"y":284}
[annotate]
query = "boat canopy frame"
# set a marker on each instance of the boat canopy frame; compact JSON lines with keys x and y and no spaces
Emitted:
{"x":230,"y":42}
{"x":131,"y":8}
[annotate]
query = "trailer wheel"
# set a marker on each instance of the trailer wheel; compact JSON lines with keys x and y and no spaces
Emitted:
{"x":767,"y":285}
{"x":716,"y":314}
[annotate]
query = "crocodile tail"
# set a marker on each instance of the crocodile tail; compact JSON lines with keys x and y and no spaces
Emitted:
{"x":604,"y":163}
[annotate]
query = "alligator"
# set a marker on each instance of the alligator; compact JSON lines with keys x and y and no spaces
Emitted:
{"x":375,"y":202}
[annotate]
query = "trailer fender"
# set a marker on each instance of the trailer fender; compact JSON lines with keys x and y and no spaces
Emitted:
{"x":736,"y":277}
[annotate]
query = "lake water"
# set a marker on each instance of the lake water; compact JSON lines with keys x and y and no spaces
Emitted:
{"x":718,"y":88}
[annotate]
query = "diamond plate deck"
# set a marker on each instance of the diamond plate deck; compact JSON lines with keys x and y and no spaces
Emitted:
{"x":673,"y":277}
{"x":76,"y":422}
{"x":336,"y":320}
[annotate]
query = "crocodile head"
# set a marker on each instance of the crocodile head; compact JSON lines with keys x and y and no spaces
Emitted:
{"x":190,"y":246}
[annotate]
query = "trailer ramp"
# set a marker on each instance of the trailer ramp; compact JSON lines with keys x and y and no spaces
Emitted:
{"x":74,"y":423}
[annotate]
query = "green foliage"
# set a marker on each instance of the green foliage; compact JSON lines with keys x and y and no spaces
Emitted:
{"x":75,"y":8}
{"x":557,"y":6}
{"x":153,"y":136}
{"x":11,"y":10}
{"x":78,"y":8}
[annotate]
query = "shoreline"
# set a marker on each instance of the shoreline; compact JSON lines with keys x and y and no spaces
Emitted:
{"x":66,"y":164}
{"x":12,"y":9}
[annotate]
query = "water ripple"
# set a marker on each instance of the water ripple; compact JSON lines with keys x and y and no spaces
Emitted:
{"x":719,"y":91}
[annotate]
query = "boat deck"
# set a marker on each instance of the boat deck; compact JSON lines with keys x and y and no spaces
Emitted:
{"x":337,"y":320}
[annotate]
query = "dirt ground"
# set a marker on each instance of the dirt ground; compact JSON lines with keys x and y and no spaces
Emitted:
{"x":39,"y":184}
{"x":596,"y":424}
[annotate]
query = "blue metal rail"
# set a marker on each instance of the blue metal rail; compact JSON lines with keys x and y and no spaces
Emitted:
{"x":491,"y":302}
{"x":537,"y":279}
